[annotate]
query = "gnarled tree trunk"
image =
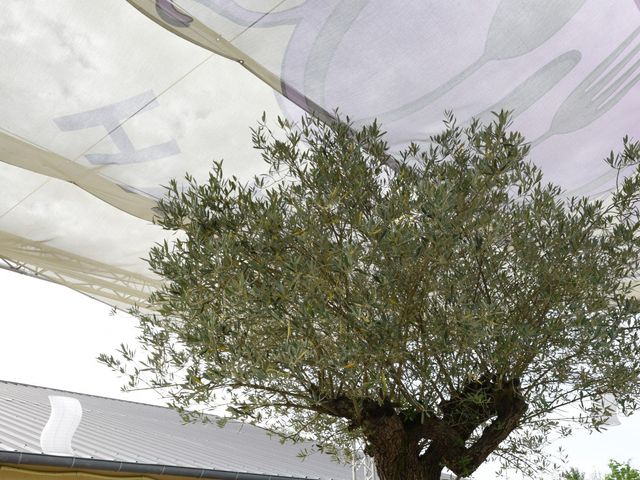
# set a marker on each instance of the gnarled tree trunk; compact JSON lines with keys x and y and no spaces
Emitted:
{"x":400,"y":465}
{"x":409,"y":448}
{"x":396,"y":451}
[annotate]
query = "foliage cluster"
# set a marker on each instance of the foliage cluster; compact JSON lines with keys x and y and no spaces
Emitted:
{"x":617,"y":471}
{"x":439,"y":304}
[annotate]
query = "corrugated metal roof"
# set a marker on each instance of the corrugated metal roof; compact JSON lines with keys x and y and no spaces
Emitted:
{"x":117,"y":430}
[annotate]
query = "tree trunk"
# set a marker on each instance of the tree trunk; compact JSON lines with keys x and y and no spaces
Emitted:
{"x":403,"y":465}
{"x":418,"y":450}
{"x":397,"y":453}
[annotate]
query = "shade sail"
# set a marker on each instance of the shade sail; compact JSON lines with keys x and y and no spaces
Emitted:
{"x":103,"y":102}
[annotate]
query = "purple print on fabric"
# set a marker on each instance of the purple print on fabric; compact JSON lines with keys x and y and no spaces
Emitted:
{"x":168,"y":12}
{"x":111,"y":118}
{"x":319,"y":30}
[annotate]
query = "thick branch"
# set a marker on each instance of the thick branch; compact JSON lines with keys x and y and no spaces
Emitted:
{"x":510,"y":406}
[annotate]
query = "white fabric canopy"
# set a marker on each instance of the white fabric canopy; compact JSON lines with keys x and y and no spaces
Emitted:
{"x":105,"y":101}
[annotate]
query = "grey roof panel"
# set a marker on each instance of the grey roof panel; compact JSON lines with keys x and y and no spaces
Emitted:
{"x":117,"y":430}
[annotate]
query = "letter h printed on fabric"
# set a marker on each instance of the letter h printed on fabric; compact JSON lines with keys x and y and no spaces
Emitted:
{"x":111,"y":118}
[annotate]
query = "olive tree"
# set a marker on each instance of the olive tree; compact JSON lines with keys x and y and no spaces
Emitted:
{"x":439,"y":305}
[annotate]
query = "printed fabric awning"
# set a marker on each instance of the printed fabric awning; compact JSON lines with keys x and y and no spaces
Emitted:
{"x":104,"y":102}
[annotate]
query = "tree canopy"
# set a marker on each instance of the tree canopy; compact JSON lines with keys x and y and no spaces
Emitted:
{"x":439,"y":304}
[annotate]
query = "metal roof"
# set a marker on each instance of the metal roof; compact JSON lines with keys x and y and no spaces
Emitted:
{"x":129,"y":432}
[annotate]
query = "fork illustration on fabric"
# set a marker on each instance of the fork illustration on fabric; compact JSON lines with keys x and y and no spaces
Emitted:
{"x":597,"y":93}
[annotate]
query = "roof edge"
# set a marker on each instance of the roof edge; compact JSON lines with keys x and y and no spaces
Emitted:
{"x":93,"y":395}
{"x":23,"y":458}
